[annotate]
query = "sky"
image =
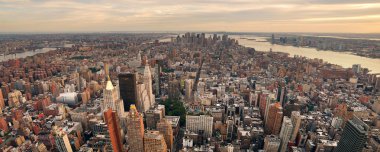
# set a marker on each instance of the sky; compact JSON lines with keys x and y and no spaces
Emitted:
{"x":322,"y":16}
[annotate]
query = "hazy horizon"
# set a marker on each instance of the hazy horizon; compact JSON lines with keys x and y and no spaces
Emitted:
{"x":190,"y":31}
{"x":278,"y":16}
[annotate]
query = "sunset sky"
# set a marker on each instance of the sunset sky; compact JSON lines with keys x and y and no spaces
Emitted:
{"x":349,"y":16}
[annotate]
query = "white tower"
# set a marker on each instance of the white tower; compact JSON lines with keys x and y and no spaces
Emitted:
{"x":111,"y":98}
{"x":286,"y":132}
{"x":139,"y":57}
{"x":296,"y":121}
{"x":148,"y":83}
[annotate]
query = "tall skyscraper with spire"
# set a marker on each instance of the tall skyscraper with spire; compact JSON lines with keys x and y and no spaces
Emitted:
{"x":113,"y":125}
{"x":135,"y":130}
{"x":111,"y":98}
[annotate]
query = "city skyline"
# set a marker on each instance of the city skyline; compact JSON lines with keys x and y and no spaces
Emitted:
{"x":195,"y":92}
{"x":320,"y":16}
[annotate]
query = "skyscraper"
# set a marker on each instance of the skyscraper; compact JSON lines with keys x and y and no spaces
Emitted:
{"x":152,"y":117}
{"x":113,"y":125}
{"x":148,"y":84}
{"x":106,"y":69}
{"x":154,"y":142}
{"x":281,"y":95}
{"x":173,"y":89}
{"x":273,"y":122}
{"x":354,"y":136}
{"x":2,"y":104}
{"x":143,"y":101}
{"x":188,"y":88}
{"x":356,"y":68}
{"x":135,"y":130}
{"x":263,"y":103}
{"x":296,"y":121}
{"x":111,"y":98}
{"x":157,"y":78}
{"x":62,"y":141}
{"x":127,"y":85}
{"x":3,"y":124}
{"x":165,"y":128}
{"x":268,"y":101}
{"x":138,"y":58}
{"x":286,"y":132}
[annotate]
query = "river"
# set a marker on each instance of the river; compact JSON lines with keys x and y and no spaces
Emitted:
{"x":344,"y":59}
{"x":24,"y":54}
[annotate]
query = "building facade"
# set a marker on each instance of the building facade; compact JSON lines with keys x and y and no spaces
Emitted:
{"x":114,"y":130}
{"x":200,"y":123}
{"x":165,"y":129}
{"x":135,"y":130}
{"x":296,"y":121}
{"x":273,"y":122}
{"x":148,"y":84}
{"x":354,"y":136}
{"x":62,"y":141}
{"x":154,"y":142}
{"x":271,"y":143}
{"x":286,"y":132}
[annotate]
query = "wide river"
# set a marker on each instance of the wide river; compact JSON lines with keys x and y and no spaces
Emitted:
{"x":344,"y":59}
{"x":24,"y":54}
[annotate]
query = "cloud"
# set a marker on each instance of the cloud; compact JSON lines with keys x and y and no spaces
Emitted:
{"x":169,"y":15}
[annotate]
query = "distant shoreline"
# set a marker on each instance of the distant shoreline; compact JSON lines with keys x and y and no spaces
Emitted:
{"x":357,"y":53}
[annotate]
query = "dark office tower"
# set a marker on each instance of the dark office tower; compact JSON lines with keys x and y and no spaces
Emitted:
{"x":203,"y":39}
{"x":113,"y":125}
{"x":354,"y":136}
{"x":157,"y":78}
{"x":215,"y":37}
{"x":127,"y":86}
{"x":290,"y":107}
{"x":224,"y":37}
{"x":278,"y":94}
{"x":273,"y":39}
{"x":281,"y":95}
